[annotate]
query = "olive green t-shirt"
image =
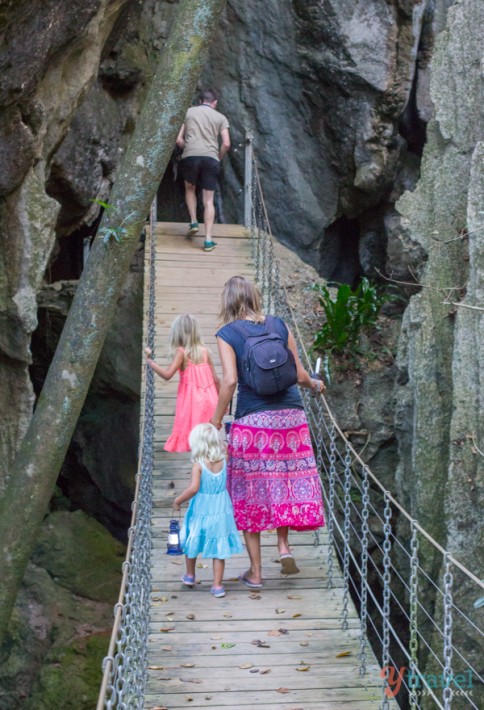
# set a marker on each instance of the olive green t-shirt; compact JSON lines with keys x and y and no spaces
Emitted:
{"x":203,"y":125}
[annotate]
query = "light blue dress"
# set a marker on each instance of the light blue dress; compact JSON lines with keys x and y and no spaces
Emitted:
{"x":209,"y":527}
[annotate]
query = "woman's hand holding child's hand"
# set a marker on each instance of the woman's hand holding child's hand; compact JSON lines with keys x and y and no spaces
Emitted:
{"x":148,"y":352}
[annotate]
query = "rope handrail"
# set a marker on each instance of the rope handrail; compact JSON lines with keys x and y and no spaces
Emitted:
{"x":405,"y":581}
{"x":124,"y":668}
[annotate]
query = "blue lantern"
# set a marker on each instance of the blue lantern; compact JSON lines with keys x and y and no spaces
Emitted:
{"x":174,"y":547}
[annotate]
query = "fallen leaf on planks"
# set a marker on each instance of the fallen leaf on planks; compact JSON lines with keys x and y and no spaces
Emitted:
{"x":283,"y":690}
{"x":227,"y":645}
{"x":303,"y":668}
{"x":343,"y":654}
{"x":260,"y":644}
{"x":191,"y":680}
{"x":280,"y":611}
{"x":191,"y":617}
{"x":166,"y":629}
{"x":246,"y":665}
{"x":187,"y":665}
{"x":155,"y":668}
{"x":294,"y":596}
{"x":295,"y":616}
{"x":166,"y":648}
{"x":215,"y":638}
{"x":264,"y":671}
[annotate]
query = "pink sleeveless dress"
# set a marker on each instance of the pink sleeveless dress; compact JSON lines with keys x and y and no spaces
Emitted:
{"x":195,"y":402}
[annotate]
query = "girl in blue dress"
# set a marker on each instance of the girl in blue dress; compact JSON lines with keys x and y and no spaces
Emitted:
{"x":209,"y":527}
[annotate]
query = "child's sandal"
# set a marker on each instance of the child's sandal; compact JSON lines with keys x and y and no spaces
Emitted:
{"x":188,"y":580}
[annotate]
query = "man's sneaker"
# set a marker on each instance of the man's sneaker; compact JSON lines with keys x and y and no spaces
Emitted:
{"x":209,"y":246}
{"x":193,"y":228}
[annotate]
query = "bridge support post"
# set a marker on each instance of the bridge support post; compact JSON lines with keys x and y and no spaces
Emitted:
{"x":249,"y":156}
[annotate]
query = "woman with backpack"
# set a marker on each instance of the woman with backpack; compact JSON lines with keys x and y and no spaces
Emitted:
{"x":272,"y":476}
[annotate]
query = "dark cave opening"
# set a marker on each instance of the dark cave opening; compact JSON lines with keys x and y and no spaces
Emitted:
{"x":339,"y":252}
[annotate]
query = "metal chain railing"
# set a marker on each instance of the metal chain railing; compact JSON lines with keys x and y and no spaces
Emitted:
{"x":125,"y":666}
{"x":409,"y":605}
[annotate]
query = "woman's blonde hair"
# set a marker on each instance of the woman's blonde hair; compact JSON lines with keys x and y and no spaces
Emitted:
{"x":206,"y":443}
{"x":185,"y":333}
{"x":240,"y":299}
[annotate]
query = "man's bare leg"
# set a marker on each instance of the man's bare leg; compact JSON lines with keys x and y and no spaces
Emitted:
{"x":208,"y":213}
{"x":191,"y":202}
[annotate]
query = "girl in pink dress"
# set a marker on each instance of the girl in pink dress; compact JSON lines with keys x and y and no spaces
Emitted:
{"x":198,"y":388}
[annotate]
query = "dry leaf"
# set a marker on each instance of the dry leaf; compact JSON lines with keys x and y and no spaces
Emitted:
{"x":254,"y":595}
{"x":304,"y":643}
{"x":246,"y":665}
{"x":215,"y":638}
{"x":208,"y":697}
{"x":191,"y":616}
{"x":254,"y":670}
{"x":342,"y":654}
{"x":166,"y":648}
{"x":260,"y":644}
{"x":283,"y":631}
{"x":280,"y":611}
{"x":166,"y":629}
{"x":189,"y":698}
{"x":304,"y":668}
{"x":176,"y":562}
{"x":274,"y":633}
{"x":295,"y":616}
{"x":160,"y":707}
{"x":264,"y":671}
{"x":170,"y":613}
{"x":200,"y":566}
{"x":294,"y":596}
{"x":191,"y":680}
{"x":155,"y":668}
{"x":187,"y":665}
{"x":227,"y":615}
{"x":283,"y":690}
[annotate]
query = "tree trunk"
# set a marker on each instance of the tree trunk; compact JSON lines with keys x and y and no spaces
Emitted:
{"x":34,"y":472}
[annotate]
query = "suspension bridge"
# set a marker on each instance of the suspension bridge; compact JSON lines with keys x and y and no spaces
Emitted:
{"x":366,"y":624}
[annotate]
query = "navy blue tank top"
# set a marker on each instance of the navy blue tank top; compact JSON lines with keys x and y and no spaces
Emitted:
{"x":247,"y":400}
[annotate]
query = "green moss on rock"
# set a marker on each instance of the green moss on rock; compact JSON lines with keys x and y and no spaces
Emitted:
{"x":81,"y":555}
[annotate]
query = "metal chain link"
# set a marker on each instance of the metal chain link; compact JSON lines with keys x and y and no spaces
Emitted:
{"x":364,"y":571}
{"x":387,"y":546}
{"x":448,"y":649}
{"x":332,"y":483}
{"x":126,"y":683}
{"x":346,"y":554}
{"x":413,"y":643}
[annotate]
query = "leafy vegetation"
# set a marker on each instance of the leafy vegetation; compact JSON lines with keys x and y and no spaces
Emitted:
{"x":347,"y":316}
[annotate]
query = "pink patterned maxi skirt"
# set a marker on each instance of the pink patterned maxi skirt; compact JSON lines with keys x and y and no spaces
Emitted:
{"x":272,"y":476}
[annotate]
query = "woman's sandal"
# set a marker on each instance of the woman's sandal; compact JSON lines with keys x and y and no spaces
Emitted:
{"x":251,"y":585}
{"x":288,"y":564}
{"x":188,"y":580}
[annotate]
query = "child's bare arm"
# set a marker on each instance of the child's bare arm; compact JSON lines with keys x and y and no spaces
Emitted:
{"x":192,"y":488}
{"x":214,"y":374}
{"x":165,"y":372}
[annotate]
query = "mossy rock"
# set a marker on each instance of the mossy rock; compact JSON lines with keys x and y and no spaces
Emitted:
{"x":71,"y":676}
{"x":81,"y":555}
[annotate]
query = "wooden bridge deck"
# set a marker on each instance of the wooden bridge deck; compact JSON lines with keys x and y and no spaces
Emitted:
{"x":280,"y":648}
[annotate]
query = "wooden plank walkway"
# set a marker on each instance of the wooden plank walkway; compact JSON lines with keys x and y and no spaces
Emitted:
{"x":277,"y":648}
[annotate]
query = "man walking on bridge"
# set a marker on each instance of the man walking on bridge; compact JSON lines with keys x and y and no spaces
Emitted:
{"x":199,"y":138}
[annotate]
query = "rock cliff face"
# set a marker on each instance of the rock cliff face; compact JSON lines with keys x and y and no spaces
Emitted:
{"x":439,"y":400}
{"x":343,"y":98}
